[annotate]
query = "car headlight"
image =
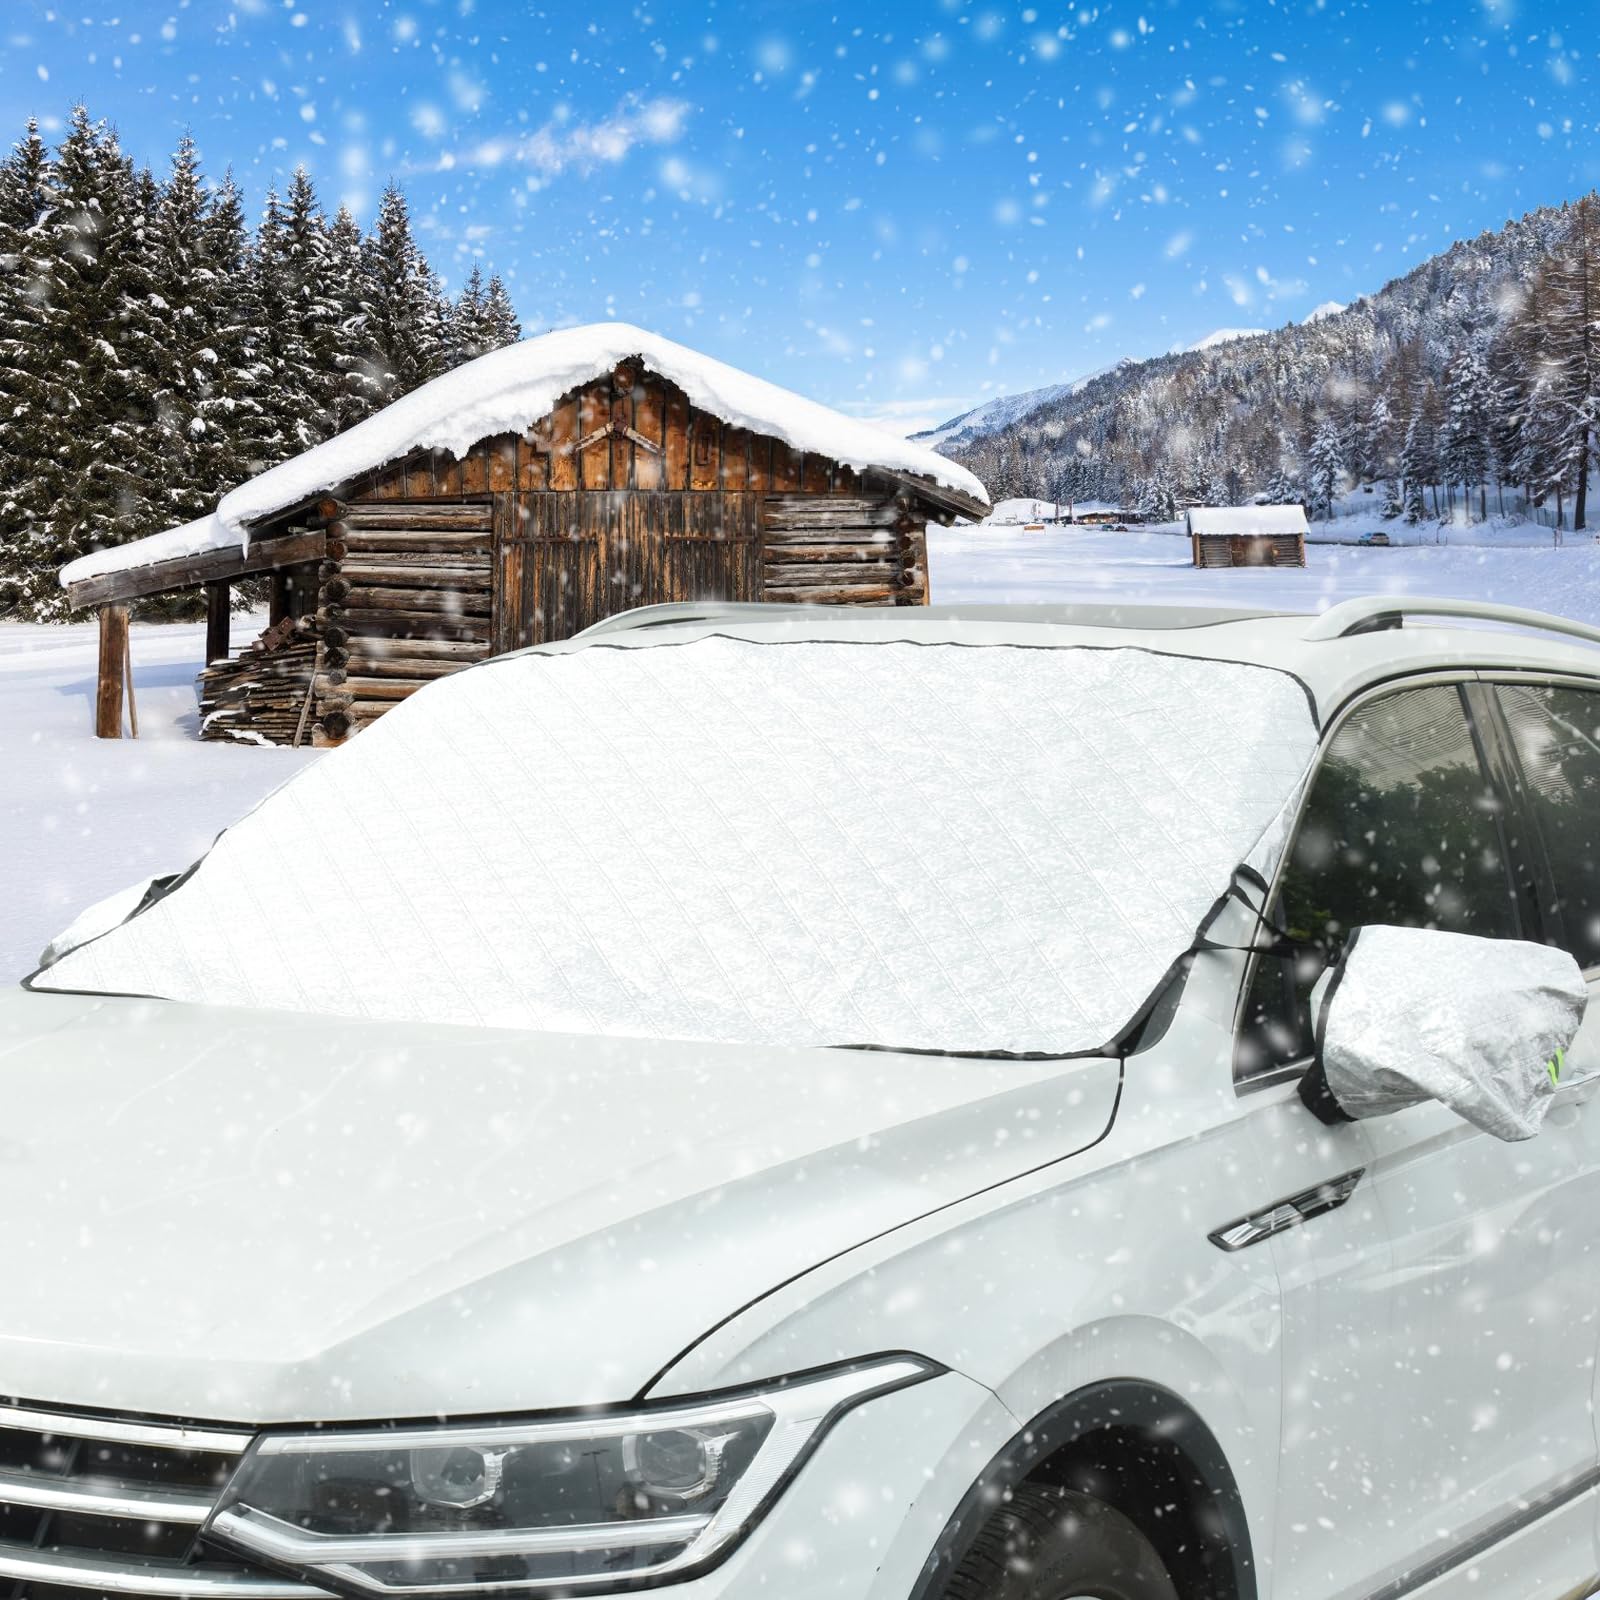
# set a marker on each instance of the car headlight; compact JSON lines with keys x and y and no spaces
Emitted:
{"x":575,"y":1503}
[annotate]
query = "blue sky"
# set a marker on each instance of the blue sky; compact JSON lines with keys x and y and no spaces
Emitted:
{"x":899,"y":209}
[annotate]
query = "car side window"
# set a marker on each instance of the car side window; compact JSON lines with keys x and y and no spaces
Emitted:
{"x":1556,"y":733}
{"x":1402,"y":825}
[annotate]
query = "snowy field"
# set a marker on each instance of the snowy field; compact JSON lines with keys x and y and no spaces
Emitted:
{"x":81,"y":817}
{"x":1009,"y":564}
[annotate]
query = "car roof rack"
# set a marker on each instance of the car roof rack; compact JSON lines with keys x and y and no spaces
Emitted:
{"x":672,"y":611}
{"x":1134,"y":615}
{"x":1375,"y":612}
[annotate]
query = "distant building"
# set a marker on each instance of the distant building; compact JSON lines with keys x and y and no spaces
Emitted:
{"x":1247,"y":536}
{"x":1106,"y":516}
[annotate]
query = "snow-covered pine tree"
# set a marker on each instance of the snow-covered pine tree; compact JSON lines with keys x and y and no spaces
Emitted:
{"x":1418,"y":465}
{"x":1571,"y":352}
{"x":180,"y":360}
{"x":1325,"y":462}
{"x":276,"y":381}
{"x":360,"y":388}
{"x":1381,"y":444}
{"x":481,"y":319}
{"x":310,"y":344}
{"x":1281,"y":489}
{"x":465,"y":333}
{"x":405,"y":320}
{"x":1160,"y":503}
{"x":499,"y":315}
{"x":229,"y":403}
{"x":25,"y":431}
{"x":99,"y":325}
{"x":1464,"y":449}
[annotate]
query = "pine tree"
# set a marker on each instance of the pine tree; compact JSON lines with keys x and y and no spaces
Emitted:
{"x":273,"y":377}
{"x":97,"y":479}
{"x":360,"y":387}
{"x":1160,"y":502}
{"x":1326,"y":462}
{"x":181,"y":356}
{"x":1381,"y":444}
{"x":405,"y":320}
{"x":312,"y":317}
{"x":25,"y":428}
{"x":499,"y":315}
{"x":1464,"y":453}
{"x":1571,"y":339}
{"x":465,"y":325}
{"x":1281,"y":489}
{"x":482,"y":319}
{"x":229,"y":402}
{"x":1418,"y":465}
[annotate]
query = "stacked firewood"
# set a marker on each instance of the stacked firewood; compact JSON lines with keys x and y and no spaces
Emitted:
{"x":260,"y":695}
{"x":407,"y":596}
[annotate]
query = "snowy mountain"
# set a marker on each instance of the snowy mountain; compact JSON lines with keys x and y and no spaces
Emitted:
{"x":1003,"y":410}
{"x":1242,"y":411}
{"x":1219,"y":336}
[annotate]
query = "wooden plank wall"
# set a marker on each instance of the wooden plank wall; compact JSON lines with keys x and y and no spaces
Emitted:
{"x":1248,"y":550}
{"x":567,"y":560}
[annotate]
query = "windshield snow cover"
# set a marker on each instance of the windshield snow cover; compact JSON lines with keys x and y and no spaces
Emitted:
{"x":930,"y":846}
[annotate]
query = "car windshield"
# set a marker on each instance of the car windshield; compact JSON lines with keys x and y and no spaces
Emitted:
{"x":908,"y":843}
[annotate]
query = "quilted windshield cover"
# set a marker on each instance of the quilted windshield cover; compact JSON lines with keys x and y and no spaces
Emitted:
{"x":919,"y":845}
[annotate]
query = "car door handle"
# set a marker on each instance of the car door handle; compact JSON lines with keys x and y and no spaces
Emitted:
{"x":1286,"y":1213}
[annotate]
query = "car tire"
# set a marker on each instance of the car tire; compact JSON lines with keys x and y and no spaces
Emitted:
{"x":1048,"y":1543}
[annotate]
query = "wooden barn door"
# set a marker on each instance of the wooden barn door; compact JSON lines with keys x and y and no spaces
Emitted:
{"x":710,"y":547}
{"x":569,"y":559}
{"x":550,"y":570}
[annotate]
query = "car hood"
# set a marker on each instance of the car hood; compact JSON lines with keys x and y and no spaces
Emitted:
{"x":256,"y":1216}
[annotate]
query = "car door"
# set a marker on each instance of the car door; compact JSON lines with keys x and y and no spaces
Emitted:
{"x":1437,"y":1332}
{"x":1551,"y":730}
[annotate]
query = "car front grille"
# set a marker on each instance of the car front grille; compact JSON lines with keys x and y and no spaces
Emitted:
{"x":95,"y":1506}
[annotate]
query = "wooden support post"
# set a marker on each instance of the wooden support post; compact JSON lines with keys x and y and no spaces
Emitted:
{"x":113,"y":667}
{"x":219,"y":601}
{"x":278,"y":602}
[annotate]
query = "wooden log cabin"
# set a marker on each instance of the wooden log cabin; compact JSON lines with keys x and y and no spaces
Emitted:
{"x":1247,"y":536}
{"x":515,"y":502}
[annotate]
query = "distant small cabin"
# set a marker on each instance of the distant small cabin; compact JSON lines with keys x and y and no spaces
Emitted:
{"x":1247,"y":536}
{"x":516,"y":501}
{"x":1106,"y":517}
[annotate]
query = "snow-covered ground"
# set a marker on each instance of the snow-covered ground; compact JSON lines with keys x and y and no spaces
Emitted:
{"x":1009,"y":564}
{"x":82,"y":817}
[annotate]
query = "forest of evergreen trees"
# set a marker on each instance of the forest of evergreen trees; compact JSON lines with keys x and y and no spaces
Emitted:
{"x":156,"y":350}
{"x":1469,"y":387}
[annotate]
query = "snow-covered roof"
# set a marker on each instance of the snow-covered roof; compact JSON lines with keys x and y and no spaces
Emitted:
{"x":505,"y":391}
{"x":1247,"y":519}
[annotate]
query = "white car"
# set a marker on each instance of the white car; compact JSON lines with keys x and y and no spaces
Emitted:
{"x":488,"y":1285}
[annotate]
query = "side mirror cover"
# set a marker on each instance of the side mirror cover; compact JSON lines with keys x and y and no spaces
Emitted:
{"x":1414,"y":1014}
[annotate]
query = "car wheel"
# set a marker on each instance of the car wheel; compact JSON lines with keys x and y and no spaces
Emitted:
{"x":1047,"y":1543}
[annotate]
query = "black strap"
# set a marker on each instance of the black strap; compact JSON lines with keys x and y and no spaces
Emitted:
{"x":1281,"y":943}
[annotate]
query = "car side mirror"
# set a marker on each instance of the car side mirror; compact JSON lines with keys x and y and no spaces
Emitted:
{"x":1413,"y":1014}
